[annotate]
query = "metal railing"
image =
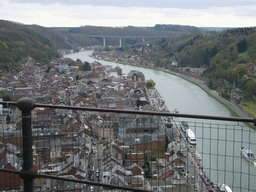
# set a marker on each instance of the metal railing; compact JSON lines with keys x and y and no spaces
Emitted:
{"x":68,"y":148}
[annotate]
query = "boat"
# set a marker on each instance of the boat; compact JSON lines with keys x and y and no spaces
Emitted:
{"x":184,"y":126}
{"x":225,"y":188}
{"x":191,"y":136}
{"x":198,"y":156}
{"x":248,"y":154}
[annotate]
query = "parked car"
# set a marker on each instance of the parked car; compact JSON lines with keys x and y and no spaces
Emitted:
{"x":181,"y":167}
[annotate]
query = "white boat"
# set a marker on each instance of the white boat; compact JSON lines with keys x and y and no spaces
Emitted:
{"x":248,"y":154}
{"x":191,"y":136}
{"x":225,"y":188}
{"x":198,"y":156}
{"x":184,"y":126}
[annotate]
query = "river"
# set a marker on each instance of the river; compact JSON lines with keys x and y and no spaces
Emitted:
{"x":218,"y":142}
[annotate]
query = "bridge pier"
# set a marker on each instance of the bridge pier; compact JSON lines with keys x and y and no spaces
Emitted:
{"x":104,"y":41}
{"x":120,"y":42}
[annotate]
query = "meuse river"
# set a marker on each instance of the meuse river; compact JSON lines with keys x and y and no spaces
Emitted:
{"x":218,"y":142}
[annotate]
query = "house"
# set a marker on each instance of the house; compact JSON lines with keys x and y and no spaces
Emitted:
{"x":8,"y":149}
{"x":114,"y":179}
{"x":114,"y":150}
{"x":136,"y":182}
{"x":136,"y":75}
{"x":176,"y":159}
{"x":43,"y":150}
{"x":237,"y":94}
{"x":111,"y":162}
{"x":250,"y":68}
{"x":70,"y":124}
{"x":135,"y":158}
{"x":164,"y":173}
{"x":10,"y":180}
{"x":136,"y":169}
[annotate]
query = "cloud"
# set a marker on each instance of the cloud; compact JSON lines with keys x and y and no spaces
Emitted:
{"x":182,"y":4}
{"x":65,"y":14}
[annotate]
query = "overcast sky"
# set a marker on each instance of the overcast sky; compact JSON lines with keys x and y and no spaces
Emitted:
{"x":74,"y":13}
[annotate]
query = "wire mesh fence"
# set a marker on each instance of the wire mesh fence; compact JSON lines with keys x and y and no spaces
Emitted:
{"x":83,"y":150}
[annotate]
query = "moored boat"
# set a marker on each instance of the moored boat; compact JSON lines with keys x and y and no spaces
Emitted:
{"x":191,"y":136}
{"x":248,"y":154}
{"x":225,"y":188}
{"x":198,"y":156}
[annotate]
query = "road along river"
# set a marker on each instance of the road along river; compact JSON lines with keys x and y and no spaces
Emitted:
{"x":218,"y":142}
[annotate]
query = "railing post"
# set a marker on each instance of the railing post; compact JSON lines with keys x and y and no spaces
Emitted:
{"x":26,"y":105}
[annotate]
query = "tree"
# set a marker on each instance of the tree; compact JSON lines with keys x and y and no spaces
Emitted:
{"x":86,"y":66}
{"x":150,"y":83}
{"x":242,"y":45}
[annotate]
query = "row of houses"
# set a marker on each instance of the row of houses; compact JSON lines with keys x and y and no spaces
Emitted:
{"x":62,"y":139}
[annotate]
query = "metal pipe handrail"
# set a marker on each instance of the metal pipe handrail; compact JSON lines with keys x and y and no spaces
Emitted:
{"x":72,"y":180}
{"x":235,"y":119}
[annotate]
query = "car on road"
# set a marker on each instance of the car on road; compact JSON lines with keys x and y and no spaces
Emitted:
{"x":97,"y":172}
{"x":91,"y":189}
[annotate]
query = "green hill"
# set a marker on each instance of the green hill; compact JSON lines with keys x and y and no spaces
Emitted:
{"x":79,"y":35}
{"x":223,"y":55}
{"x":18,"y":42}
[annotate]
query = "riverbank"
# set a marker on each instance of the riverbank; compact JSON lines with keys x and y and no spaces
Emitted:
{"x":234,"y":110}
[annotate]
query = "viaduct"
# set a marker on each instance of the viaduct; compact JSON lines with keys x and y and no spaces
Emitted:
{"x":122,"y":37}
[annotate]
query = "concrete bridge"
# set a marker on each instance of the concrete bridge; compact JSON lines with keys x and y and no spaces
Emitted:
{"x":122,"y":37}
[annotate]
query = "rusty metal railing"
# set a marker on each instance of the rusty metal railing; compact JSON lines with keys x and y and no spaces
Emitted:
{"x":26,"y":105}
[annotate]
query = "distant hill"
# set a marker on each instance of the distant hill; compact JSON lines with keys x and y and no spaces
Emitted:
{"x":18,"y":42}
{"x":62,"y":38}
{"x":223,"y":55}
{"x":210,"y":30}
{"x":176,"y":29}
{"x":80,"y":35}
{"x":74,"y":37}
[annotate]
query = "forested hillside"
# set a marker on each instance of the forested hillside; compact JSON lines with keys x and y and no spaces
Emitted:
{"x":224,"y":55}
{"x":17,"y":42}
{"x":80,"y":35}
